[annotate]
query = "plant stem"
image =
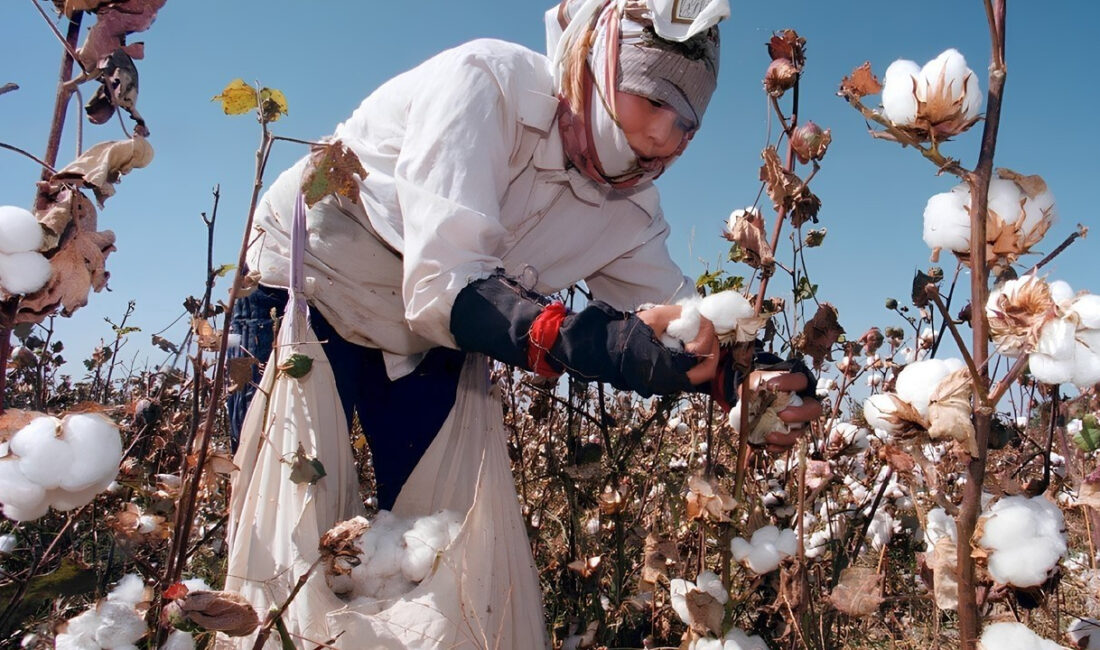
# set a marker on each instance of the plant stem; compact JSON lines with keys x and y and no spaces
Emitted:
{"x":64,"y":92}
{"x":969,"y":615}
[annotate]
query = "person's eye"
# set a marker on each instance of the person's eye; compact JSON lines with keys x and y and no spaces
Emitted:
{"x":656,"y":103}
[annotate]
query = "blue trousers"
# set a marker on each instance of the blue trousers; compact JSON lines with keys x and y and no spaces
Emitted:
{"x":400,"y":418}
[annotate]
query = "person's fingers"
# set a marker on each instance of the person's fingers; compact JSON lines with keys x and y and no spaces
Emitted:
{"x":658,"y":317}
{"x":809,"y":410}
{"x":777,"y":441}
{"x":790,"y":382}
{"x":705,"y":348}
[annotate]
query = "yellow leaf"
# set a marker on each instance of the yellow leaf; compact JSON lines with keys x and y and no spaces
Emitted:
{"x":272,"y":104}
{"x":237,"y":98}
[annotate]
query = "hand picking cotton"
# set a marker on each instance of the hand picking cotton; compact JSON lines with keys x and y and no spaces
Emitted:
{"x":731,"y":313}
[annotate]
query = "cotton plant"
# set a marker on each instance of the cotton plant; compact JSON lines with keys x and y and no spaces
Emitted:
{"x":1057,"y":329}
{"x":1023,"y":540}
{"x":932,"y":396}
{"x":940,"y":99}
{"x":733,"y":317}
{"x":1014,"y":636}
{"x":699,"y":604}
{"x":116,"y":622}
{"x":765,"y":549}
{"x":23,"y":269}
{"x":1020,"y":211}
{"x":60,"y":463}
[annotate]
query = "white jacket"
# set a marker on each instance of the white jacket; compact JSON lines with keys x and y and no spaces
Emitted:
{"x":466,"y":174}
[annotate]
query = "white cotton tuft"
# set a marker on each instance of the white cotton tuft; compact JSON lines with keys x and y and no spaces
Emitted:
{"x":678,"y":589}
{"x":1085,"y":633}
{"x":130,"y":590}
{"x":737,"y":640}
{"x":120,"y":625}
{"x":96,"y":442}
{"x":179,"y":640}
{"x":876,"y":410}
{"x":725,"y":309}
{"x":79,"y":633}
{"x":428,"y":537}
{"x":948,"y":69}
{"x":709,"y":582}
{"x":1087,"y":308}
{"x":1038,"y":209}
{"x":1048,"y":370}
{"x":763,"y":553}
{"x":1005,"y":199}
{"x":1061,"y":292}
{"x":18,"y":493}
{"x":1086,"y":359}
{"x":683,"y":330}
{"x":947,"y":222}
{"x":881,"y":529}
{"x":43,"y":457}
{"x":1013,"y":636}
{"x":23,"y":273}
{"x":917,"y":380}
{"x":1026,"y":539}
{"x":899,"y":101}
{"x":8,"y":542}
{"x":19,"y":230}
{"x":938,"y":524}
{"x":195,"y":584}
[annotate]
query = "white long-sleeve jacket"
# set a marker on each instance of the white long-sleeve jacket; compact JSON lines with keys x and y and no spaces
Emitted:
{"x":466,"y":174}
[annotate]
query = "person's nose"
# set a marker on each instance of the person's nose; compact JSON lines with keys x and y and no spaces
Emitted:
{"x":663,"y":135}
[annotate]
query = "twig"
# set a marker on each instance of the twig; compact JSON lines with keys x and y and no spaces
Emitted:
{"x":8,"y":87}
{"x":1082,"y":231}
{"x":276,"y":614}
{"x":29,"y":155}
{"x":1005,"y":383}
{"x":906,"y":139}
{"x":933,"y":292}
{"x":61,"y":103}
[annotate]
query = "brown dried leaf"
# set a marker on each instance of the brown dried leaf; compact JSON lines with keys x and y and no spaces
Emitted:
{"x":1032,"y":185}
{"x":804,"y":206}
{"x":58,"y":205}
{"x":611,"y":502}
{"x":821,"y":333}
{"x":208,"y":338}
{"x":859,"y":592}
{"x":585,"y":567}
{"x":872,"y":340}
{"x":781,"y":184}
{"x":747,"y":231}
{"x":901,"y":461}
{"x":115,"y":21}
{"x":949,"y":410}
{"x":239,"y":370}
{"x":101,"y":166}
{"x":660,"y":554}
{"x":246,"y":284}
{"x":78,"y":266}
{"x":221,"y":463}
{"x":706,"y":612}
{"x":72,"y":6}
{"x":217,"y":611}
{"x":945,"y":583}
{"x":331,"y":170}
{"x":862,"y":82}
{"x":1089,"y":494}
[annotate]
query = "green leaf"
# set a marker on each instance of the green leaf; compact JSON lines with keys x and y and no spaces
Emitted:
{"x":305,"y":469}
{"x":804,"y":290}
{"x":1088,"y":438}
{"x":222,"y":270}
{"x":297,"y":365}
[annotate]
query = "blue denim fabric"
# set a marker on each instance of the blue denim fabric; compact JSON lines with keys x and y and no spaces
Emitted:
{"x":400,"y":418}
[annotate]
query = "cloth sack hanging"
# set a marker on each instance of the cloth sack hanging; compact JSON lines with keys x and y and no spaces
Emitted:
{"x":483,"y":591}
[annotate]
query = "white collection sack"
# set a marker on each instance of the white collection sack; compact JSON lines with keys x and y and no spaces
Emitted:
{"x":483,"y":592}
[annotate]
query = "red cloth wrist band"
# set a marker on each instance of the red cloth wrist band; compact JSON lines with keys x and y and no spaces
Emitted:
{"x":544,"y":332}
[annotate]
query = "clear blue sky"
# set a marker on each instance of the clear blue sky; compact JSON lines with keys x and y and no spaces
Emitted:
{"x":326,"y":55}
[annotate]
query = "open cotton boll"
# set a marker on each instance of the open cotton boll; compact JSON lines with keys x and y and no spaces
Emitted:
{"x":130,"y":590}
{"x":899,"y":102}
{"x":678,"y":590}
{"x":1005,"y":197}
{"x":947,"y":222}
{"x":179,"y":640}
{"x":709,"y":582}
{"x":938,"y":524}
{"x":1013,"y":636}
{"x":683,"y":330}
{"x":949,"y":69}
{"x":737,"y":640}
{"x":97,"y":445}
{"x":19,"y":230}
{"x":79,"y":632}
{"x":23,"y":273}
{"x":917,"y":380}
{"x":18,"y":493}
{"x":423,"y":542}
{"x":1085,"y":633}
{"x":877,"y":409}
{"x":765,"y":550}
{"x":1086,"y":359}
{"x":725,"y":309}
{"x":1087,"y":308}
{"x":1038,"y":209}
{"x":1061,"y":292}
{"x":120,"y":625}
{"x":1026,"y":539}
{"x":65,"y":500}
{"x":43,"y":457}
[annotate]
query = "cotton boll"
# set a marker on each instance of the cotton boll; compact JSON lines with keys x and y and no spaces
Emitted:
{"x":96,"y":445}
{"x":1013,"y":636}
{"x":972,"y":102}
{"x":1026,"y":538}
{"x":1048,"y":370}
{"x":684,"y":329}
{"x":179,"y":640}
{"x":1085,"y":633}
{"x":119,"y":625}
{"x":195,"y":584}
{"x":129,"y":590}
{"x":19,"y":230}
{"x":1038,"y":209}
{"x":79,"y":633}
{"x":947,"y":222}
{"x":899,"y":101}
{"x":709,"y":582}
{"x":725,"y":309}
{"x":949,"y":69}
{"x":881,"y":530}
{"x":917,"y":380}
{"x":1086,"y":359}
{"x":1061,"y":292}
{"x":43,"y":458}
{"x":737,"y":640}
{"x":64,"y":500}
{"x":17,"y":491}
{"x":678,"y":589}
{"x":1087,"y":308}
{"x":876,"y":410}
{"x":1005,"y":199}
{"x":23,"y":273}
